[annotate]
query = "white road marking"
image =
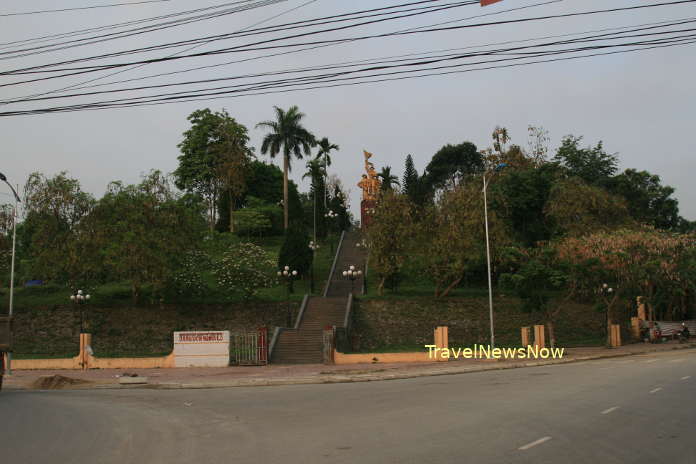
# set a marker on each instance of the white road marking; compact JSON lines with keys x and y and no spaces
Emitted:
{"x":534,"y":443}
{"x":650,"y":361}
{"x":676,"y":360}
{"x":607,"y":411}
{"x":655,"y":390}
{"x":686,"y":377}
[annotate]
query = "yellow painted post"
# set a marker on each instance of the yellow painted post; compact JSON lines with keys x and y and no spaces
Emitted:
{"x":641,"y":308}
{"x":441,"y":336}
{"x":635,"y":328}
{"x":525,"y":331}
{"x":539,"y":338}
{"x":615,"y":335}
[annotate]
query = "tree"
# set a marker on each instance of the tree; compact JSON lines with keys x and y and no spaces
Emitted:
{"x":454,"y":236}
{"x":389,"y":180}
{"x":317,"y":174}
{"x":286,"y":133}
{"x":389,"y":236}
{"x":142,"y":233}
{"x":409,"y":183}
{"x":592,"y":164}
{"x":540,"y":275}
{"x":214,"y":158}
{"x":649,"y":202}
{"x":538,"y":144}
{"x":245,"y":268}
{"x":295,"y":251}
{"x":576,"y":208}
{"x":519,"y":196}
{"x":450,"y":165}
{"x":54,"y":208}
{"x":325,"y":148}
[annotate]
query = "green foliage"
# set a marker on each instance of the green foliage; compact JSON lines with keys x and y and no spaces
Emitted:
{"x":450,"y":165}
{"x":286,"y":132}
{"x":214,"y":159}
{"x":140,"y":233}
{"x":188,"y":277}
{"x":245,"y":268}
{"x":251,"y":222}
{"x":519,"y":197}
{"x":295,"y":251}
{"x":390,"y":236}
{"x":576,"y":208}
{"x":649,"y":202}
{"x":454,"y":236}
{"x":54,"y":209}
{"x":325,"y":149}
{"x":410,"y":182}
{"x":389,"y":180}
{"x":592,"y":164}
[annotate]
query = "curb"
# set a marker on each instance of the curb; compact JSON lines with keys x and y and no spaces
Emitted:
{"x":355,"y":378}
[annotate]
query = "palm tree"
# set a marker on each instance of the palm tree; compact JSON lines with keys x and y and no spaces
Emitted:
{"x":315,"y":171}
{"x":287,"y":133}
{"x":388,"y":179}
{"x":325,"y":148}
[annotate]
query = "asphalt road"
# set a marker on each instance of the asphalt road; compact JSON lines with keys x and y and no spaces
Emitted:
{"x":640,"y":409}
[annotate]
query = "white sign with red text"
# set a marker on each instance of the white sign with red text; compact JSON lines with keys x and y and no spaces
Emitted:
{"x":202,"y":349}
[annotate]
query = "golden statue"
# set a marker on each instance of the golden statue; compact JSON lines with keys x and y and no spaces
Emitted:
{"x":370,"y":183}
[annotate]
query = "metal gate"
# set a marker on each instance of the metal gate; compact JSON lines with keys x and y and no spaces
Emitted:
{"x":249,"y":348}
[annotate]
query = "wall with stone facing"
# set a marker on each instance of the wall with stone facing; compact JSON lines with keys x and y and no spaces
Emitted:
{"x":383,"y":323}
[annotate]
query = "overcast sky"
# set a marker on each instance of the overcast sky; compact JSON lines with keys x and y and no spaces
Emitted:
{"x":640,"y":104}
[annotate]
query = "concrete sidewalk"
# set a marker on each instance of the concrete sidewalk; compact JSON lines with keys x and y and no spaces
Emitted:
{"x":306,"y":373}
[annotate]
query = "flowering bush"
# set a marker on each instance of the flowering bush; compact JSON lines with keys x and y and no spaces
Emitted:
{"x":187,"y":280}
{"x":245,"y":268}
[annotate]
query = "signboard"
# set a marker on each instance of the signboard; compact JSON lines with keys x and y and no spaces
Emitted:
{"x":202,"y":349}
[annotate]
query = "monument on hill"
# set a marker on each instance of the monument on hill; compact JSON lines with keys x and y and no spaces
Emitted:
{"x":370,"y":185}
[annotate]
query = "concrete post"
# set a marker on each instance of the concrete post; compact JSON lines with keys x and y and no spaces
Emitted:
{"x":441,"y":336}
{"x":641,"y":308}
{"x":635,"y":328}
{"x":525,"y":333}
{"x":539,"y":336}
{"x":615,"y":335}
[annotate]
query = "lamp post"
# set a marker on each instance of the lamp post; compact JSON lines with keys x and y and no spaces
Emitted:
{"x":330,"y":215}
{"x":12,"y":266}
{"x":80,"y":299}
{"x":366,"y":246}
{"x":314,"y":246}
{"x":488,"y":247}
{"x":287,"y":276}
{"x":352,"y":274}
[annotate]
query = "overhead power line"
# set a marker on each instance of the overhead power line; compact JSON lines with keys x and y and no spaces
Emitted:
{"x":91,"y":7}
{"x":343,"y":78}
{"x":270,"y":44}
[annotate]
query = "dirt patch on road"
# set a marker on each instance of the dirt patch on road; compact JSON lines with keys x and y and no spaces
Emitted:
{"x":57,"y":382}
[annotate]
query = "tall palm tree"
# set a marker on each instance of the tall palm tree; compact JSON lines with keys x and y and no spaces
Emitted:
{"x":286,"y":133}
{"x":325,"y":148}
{"x":315,"y":172}
{"x":388,"y":179}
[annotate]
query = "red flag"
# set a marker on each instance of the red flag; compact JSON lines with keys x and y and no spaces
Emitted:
{"x":489,"y":2}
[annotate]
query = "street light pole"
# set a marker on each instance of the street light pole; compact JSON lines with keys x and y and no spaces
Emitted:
{"x":488,"y":250}
{"x":488,"y":262}
{"x":14,"y":242}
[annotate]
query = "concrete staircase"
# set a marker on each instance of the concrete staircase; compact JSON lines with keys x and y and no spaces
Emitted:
{"x":303,"y":345}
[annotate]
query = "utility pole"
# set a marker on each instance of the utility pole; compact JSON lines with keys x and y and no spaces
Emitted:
{"x":14,"y":247}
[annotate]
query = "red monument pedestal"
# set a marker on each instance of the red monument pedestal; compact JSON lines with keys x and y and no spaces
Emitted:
{"x":367,"y":208}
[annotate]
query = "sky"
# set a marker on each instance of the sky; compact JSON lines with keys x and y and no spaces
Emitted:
{"x":641,"y":105}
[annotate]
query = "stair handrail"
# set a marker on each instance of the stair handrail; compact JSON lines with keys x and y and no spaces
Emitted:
{"x":333,"y":266}
{"x":277,"y":331}
{"x":349,"y":310}
{"x":274,"y":339}
{"x":303,"y":306}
